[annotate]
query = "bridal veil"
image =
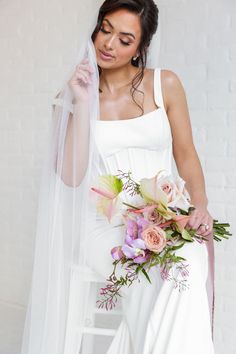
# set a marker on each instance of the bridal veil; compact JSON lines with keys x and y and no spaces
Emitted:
{"x":59,"y":291}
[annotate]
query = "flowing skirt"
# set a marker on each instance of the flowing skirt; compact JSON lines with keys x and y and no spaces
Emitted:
{"x":157,"y":318}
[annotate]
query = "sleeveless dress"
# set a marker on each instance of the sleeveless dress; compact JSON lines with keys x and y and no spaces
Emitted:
{"x":156,"y":318}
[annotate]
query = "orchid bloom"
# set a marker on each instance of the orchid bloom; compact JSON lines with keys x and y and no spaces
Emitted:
{"x":135,"y":250}
{"x":117,"y":253}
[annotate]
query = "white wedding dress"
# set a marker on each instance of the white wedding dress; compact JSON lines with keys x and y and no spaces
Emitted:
{"x":157,"y":318}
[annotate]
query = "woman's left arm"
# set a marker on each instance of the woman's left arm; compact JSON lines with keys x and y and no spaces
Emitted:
{"x":185,"y":154}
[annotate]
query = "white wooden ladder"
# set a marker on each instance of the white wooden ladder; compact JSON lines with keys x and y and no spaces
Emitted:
{"x":90,"y":328}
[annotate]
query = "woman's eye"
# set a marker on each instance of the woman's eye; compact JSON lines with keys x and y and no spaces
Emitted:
{"x":104,"y":31}
{"x":124,"y":43}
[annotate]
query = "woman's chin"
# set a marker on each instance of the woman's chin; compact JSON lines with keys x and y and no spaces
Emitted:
{"x":104,"y":64}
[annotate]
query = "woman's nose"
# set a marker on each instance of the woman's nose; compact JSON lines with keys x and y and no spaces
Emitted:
{"x":109,"y":44}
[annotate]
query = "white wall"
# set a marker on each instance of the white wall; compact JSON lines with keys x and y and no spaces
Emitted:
{"x":197,"y":44}
{"x":37,"y":41}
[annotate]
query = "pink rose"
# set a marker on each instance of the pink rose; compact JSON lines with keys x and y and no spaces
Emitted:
{"x":174,"y":188}
{"x":153,"y":215}
{"x":154,"y":238}
{"x":166,"y":190}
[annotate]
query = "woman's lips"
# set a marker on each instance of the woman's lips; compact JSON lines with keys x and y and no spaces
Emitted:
{"x":105,"y":56}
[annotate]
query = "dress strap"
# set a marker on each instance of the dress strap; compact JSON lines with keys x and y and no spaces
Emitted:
{"x":157,"y":88}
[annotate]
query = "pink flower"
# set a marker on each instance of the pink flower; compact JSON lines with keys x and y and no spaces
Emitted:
{"x":135,"y":250}
{"x":154,"y":238}
{"x":175,"y":190}
{"x":117,"y":253}
{"x":166,"y":190}
{"x":108,"y":202}
{"x":181,"y":220}
{"x":153,"y":215}
{"x":132,"y":228}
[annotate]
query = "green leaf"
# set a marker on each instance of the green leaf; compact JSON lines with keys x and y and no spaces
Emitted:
{"x":154,"y":264}
{"x":174,"y":248}
{"x":139,"y":267}
{"x":186,"y":235}
{"x":146,"y":275}
{"x":118,"y":184}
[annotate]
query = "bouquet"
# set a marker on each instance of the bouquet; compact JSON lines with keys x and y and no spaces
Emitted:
{"x":155,"y":228}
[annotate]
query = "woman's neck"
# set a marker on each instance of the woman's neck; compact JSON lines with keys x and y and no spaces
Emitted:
{"x":114,"y":80}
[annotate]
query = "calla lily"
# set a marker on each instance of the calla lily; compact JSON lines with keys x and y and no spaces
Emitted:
{"x":181,"y":221}
{"x":109,"y":189}
{"x":146,"y":208}
{"x":151,"y":193}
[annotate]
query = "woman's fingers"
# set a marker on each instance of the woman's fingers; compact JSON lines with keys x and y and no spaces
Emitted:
{"x":203,"y":230}
{"x":85,"y":66}
{"x":194,"y":222}
{"x":81,"y":79}
{"x":197,"y":221}
{"x":81,"y":75}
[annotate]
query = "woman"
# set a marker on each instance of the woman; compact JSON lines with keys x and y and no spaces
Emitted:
{"x":115,"y":113}
{"x":170,"y":322}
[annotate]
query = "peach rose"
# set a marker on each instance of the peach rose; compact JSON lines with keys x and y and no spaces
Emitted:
{"x":165,"y":189}
{"x":169,"y":187}
{"x":154,"y":238}
{"x":176,"y":192}
{"x":154,"y":216}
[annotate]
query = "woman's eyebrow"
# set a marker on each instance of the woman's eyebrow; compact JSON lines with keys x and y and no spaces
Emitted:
{"x":126,"y":33}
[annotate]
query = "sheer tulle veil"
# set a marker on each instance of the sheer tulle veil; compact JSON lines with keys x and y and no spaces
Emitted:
{"x":59,"y":289}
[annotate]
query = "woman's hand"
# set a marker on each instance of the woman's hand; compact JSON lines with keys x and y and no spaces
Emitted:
{"x":198,"y":218}
{"x":80,"y":81}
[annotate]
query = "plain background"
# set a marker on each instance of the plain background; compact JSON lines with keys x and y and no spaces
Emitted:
{"x":37,"y":41}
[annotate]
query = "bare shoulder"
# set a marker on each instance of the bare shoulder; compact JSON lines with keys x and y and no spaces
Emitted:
{"x":168,"y":77}
{"x":172,"y":87}
{"x":170,"y":80}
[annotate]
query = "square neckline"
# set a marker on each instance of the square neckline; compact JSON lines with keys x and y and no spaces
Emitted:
{"x":139,"y":117}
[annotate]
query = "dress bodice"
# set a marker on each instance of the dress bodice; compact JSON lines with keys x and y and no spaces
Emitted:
{"x":142,"y":145}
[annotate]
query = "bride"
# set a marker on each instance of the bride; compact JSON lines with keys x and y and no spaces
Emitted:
{"x":142,"y":125}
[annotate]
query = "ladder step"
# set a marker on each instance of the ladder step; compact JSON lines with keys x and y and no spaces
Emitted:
{"x":99,"y":331}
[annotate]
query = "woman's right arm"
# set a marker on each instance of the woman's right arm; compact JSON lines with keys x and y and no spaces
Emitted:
{"x":76,"y":146}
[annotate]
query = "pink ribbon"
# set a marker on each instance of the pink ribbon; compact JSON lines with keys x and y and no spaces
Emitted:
{"x":210,"y":284}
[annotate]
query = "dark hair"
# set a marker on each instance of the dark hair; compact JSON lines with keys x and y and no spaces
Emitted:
{"x":148,"y":12}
